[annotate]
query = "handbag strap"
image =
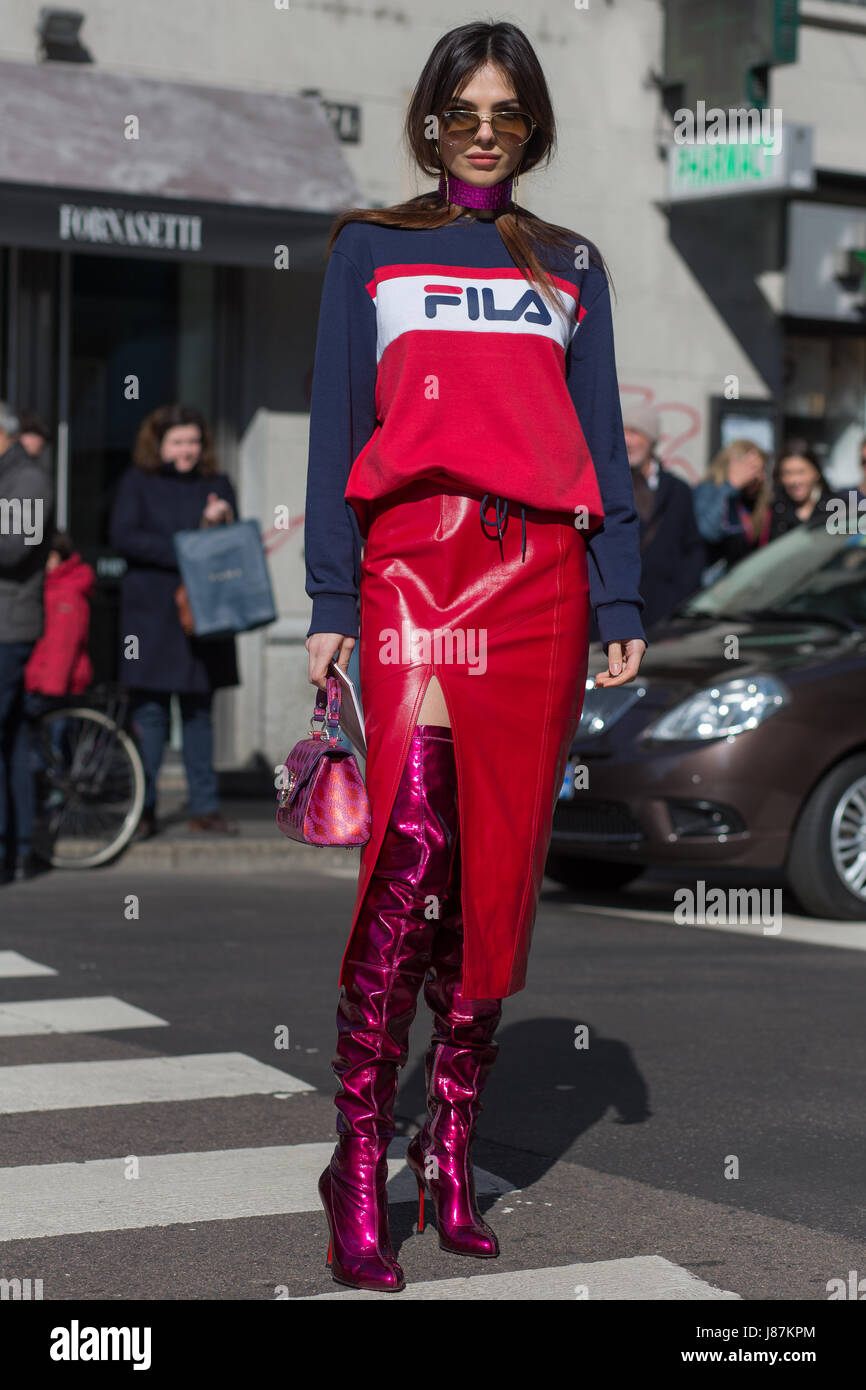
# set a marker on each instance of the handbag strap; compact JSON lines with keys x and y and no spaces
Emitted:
{"x":328,"y":710}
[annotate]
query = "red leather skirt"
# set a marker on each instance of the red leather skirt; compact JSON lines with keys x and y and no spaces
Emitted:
{"x":507,"y":637}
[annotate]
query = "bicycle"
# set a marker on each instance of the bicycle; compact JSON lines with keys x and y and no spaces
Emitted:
{"x":88,"y":779}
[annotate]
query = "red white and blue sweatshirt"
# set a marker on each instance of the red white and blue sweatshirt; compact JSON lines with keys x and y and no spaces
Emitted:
{"x":436,"y":359}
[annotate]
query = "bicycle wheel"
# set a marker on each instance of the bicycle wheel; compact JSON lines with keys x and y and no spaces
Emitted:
{"x":89,"y":788}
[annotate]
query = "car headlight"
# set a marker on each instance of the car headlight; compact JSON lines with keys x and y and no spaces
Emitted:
{"x":722,"y":710}
{"x":603,"y":706}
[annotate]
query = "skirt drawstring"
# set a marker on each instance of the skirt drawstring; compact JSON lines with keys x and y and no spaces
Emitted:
{"x":501,"y":504}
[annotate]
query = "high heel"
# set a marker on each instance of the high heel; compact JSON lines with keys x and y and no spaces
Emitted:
{"x":462,"y":1230}
{"x":369,"y":1262}
{"x":385,"y":965}
{"x":458,"y":1062}
{"x":420,"y":1206}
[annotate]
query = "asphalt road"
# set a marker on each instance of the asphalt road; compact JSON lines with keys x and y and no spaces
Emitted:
{"x":606,"y":1171}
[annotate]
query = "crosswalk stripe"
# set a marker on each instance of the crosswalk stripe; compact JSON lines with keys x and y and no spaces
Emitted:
{"x":54,"y":1199}
{"x":71,"y":1085}
{"x":644,"y":1277}
{"x":98,"y":1014}
{"x":13,"y":966}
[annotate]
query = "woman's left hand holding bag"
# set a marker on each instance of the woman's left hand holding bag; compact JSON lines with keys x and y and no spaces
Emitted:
{"x":217,"y":511}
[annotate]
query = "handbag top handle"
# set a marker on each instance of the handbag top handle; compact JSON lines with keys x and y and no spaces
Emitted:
{"x":328,"y":710}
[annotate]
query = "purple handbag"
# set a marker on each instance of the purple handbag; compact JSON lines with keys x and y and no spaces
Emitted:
{"x":322,"y":798}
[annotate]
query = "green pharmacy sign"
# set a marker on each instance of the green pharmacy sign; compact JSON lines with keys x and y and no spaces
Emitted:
{"x":702,"y":170}
{"x":706,"y":166}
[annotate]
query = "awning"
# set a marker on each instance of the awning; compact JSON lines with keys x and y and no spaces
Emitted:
{"x":216,"y":174}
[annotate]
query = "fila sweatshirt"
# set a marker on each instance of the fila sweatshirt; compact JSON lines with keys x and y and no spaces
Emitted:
{"x":436,"y":359}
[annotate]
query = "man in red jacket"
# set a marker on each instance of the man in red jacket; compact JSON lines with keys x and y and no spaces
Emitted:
{"x":59,"y":663}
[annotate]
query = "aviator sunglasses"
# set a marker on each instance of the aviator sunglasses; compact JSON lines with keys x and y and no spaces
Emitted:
{"x":511,"y":128}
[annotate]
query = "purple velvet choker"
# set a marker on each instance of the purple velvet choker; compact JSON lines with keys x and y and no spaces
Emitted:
{"x":470,"y":195}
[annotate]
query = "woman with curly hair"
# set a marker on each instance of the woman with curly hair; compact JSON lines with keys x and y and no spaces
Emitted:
{"x":173,"y":485}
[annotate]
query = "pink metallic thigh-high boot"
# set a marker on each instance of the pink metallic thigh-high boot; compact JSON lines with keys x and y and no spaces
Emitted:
{"x":389,"y":955}
{"x":461,"y":1054}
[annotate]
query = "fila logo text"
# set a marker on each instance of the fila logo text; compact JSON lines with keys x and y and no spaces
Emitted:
{"x":529,"y":306}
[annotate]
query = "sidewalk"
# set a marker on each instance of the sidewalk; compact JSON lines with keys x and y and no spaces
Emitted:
{"x":250,"y":802}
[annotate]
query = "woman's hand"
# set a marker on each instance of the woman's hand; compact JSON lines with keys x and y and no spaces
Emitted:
{"x":322,"y":646}
{"x":217,"y":511}
{"x":623,"y":661}
{"x":745,"y":471}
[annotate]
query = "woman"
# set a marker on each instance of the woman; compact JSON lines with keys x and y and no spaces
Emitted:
{"x":732,"y":506}
{"x":172,"y":486}
{"x":800,"y":491}
{"x":449,"y":400}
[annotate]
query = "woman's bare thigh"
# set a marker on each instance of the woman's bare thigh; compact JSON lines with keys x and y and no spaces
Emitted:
{"x":433,"y":707}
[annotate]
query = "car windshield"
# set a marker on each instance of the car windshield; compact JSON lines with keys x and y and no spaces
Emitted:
{"x":808,"y":571}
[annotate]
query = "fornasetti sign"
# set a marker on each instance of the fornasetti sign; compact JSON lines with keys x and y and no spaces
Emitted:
{"x":97,"y":226}
{"x":89,"y":222}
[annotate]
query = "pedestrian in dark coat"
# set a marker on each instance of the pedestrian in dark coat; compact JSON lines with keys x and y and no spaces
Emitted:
{"x":172,"y":486}
{"x":673,"y":553}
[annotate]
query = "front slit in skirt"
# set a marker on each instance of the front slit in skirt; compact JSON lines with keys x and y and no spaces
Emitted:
{"x":507,"y":638}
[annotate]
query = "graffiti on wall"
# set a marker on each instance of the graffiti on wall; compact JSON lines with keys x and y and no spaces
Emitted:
{"x":275,"y":538}
{"x":680,"y":423}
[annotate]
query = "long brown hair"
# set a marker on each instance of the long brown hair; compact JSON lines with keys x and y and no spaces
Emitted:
{"x":145,"y":453}
{"x":454,"y":60}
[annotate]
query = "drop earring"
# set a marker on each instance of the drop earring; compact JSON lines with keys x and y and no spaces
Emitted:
{"x":447,"y":192}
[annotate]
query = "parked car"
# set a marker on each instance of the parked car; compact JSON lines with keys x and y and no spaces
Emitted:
{"x":743,"y":740}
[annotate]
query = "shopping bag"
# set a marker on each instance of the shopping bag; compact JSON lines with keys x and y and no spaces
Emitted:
{"x":225,"y":574}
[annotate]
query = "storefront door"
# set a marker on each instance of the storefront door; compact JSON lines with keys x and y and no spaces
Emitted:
{"x":141,"y":334}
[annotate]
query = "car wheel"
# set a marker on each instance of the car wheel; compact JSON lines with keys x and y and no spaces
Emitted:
{"x":597,"y":875}
{"x":827,"y":855}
